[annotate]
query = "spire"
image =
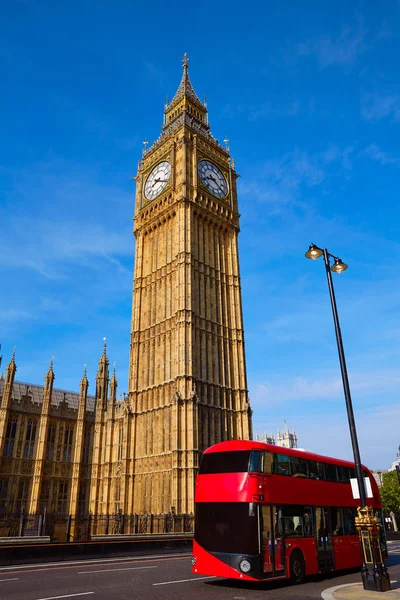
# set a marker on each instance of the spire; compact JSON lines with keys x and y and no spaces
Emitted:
{"x":185,"y":101}
{"x":49,"y":379}
{"x":84,"y":380}
{"x":50,"y":372}
{"x":113,"y":387}
{"x":102,"y":376}
{"x":114,"y":378}
{"x":185,"y":87}
{"x":83,"y":389}
{"x":11,"y":369}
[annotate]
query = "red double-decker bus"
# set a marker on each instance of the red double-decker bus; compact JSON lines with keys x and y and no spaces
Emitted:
{"x":266,"y":512}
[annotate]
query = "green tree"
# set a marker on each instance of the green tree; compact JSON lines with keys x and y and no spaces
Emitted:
{"x":390,"y":492}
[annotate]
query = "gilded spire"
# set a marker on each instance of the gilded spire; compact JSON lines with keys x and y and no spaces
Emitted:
{"x":11,"y":365}
{"x":103,"y":359}
{"x":114,"y":382}
{"x":11,"y":368}
{"x":51,"y":366}
{"x":84,"y":380}
{"x":185,"y":88}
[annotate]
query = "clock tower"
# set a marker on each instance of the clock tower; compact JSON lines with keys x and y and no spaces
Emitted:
{"x":187,"y":372}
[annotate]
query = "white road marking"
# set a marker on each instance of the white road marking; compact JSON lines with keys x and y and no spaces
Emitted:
{"x":93,"y":561}
{"x":183,"y":580}
{"x":67,"y":596}
{"x":108,"y":570}
{"x":13,"y":579}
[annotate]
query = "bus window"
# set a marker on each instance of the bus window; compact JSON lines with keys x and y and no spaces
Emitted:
{"x":282,"y":464}
{"x":349,"y":515}
{"x":256,"y":461}
{"x":313,"y":472}
{"x":337,"y":521}
{"x":299,"y":467}
{"x":321,"y":470}
{"x":298,"y":521}
{"x":225,"y":462}
{"x":343,"y":474}
{"x":331,"y":472}
{"x":260,"y":462}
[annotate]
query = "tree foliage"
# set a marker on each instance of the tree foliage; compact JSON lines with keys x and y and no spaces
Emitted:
{"x":390,"y":492}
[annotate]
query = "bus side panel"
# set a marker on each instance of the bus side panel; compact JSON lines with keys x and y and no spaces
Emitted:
{"x":347,"y":551}
{"x":226,"y":487}
{"x":308,"y":550}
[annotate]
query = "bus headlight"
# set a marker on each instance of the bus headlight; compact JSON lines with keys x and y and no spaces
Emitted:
{"x":245,"y":566}
{"x":194,"y":560}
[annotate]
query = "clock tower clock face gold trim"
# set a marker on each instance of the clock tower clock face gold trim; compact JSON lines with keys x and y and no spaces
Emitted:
{"x":157,"y":180}
{"x":213,"y":179}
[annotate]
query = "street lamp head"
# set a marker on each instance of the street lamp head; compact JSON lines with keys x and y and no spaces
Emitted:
{"x":313,"y":252}
{"x":339,"y":266}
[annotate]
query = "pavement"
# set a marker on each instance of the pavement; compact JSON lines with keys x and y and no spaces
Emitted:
{"x":357,"y":592}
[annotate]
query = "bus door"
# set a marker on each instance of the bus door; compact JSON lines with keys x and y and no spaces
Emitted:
{"x":273,"y":544}
{"x":324,"y":540}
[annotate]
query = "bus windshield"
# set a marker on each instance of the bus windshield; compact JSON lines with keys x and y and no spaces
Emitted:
{"x":225,"y":462}
{"x":226,"y":527}
{"x":239,"y":461}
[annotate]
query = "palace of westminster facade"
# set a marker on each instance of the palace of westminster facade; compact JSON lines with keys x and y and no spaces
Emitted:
{"x":76,"y":454}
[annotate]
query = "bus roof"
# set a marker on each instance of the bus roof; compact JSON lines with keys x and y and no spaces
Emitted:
{"x":234,"y":445}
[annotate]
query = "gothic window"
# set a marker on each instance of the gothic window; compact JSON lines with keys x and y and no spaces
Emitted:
{"x":67,"y":447}
{"x":23,"y":490}
{"x":51,"y":441}
{"x":30,"y":439}
{"x":86,"y":446}
{"x":3,"y":495}
{"x":10,"y":437}
{"x":62,"y":499}
{"x":82,"y":499}
{"x":45,"y":494}
{"x":120,"y":441}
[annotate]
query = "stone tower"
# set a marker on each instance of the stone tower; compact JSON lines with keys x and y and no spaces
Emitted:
{"x":187,"y":376}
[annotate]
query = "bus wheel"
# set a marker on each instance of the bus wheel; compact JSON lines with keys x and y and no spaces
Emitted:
{"x":297,"y":567}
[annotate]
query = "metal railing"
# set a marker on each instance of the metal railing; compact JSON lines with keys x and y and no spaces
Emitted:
{"x":68,"y":528}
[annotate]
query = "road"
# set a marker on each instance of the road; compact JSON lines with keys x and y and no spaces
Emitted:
{"x":154,"y":577}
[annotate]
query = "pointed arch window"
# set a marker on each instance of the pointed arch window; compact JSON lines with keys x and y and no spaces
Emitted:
{"x":67,"y":447}
{"x":51,"y":441}
{"x":120,"y":441}
{"x":23,"y":491}
{"x":3,"y":495}
{"x":11,"y":432}
{"x":30,"y":439}
{"x":86,"y":446}
{"x":62,"y":499}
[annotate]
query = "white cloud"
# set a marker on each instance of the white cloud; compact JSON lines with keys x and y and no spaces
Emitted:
{"x":375,"y":107}
{"x":375,"y":153}
{"x":279,"y":392}
{"x":327,"y":433}
{"x":341,"y":50}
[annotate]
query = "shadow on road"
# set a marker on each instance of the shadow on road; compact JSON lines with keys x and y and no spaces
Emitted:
{"x":278,"y":584}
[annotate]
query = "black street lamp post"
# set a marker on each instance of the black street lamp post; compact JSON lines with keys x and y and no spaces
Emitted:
{"x":373,"y":572}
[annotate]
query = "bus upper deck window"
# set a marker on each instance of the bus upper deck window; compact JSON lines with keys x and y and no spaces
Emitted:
{"x":260,"y":462}
{"x":255,"y":462}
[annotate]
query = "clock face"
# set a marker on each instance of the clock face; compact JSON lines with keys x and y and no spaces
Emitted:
{"x":157,"y":180}
{"x":213,"y":179}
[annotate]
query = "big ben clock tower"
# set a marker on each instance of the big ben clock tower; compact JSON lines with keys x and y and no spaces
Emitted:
{"x":187,"y":374}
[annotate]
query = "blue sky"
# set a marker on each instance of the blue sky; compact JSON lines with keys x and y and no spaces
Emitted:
{"x":309,"y":97}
